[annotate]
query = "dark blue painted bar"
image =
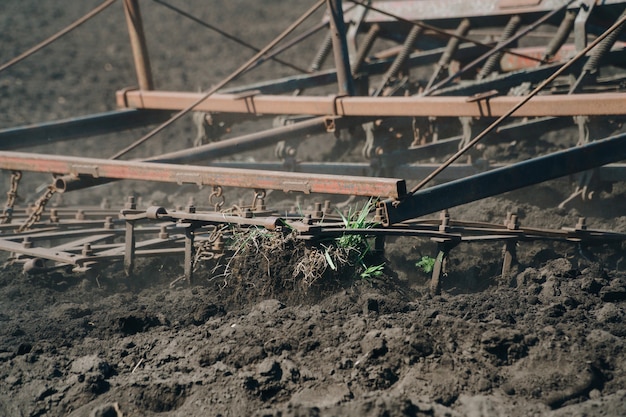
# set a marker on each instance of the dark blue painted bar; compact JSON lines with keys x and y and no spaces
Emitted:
{"x":509,"y":178}
{"x":78,"y":127}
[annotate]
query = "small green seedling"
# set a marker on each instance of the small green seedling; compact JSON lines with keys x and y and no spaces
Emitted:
{"x":373,"y":271}
{"x":426,"y":264}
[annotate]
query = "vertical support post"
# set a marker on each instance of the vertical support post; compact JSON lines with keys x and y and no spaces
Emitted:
{"x":138,"y":44}
{"x":510,"y":256}
{"x":379,"y":244}
{"x":509,"y":250}
{"x":129,"y":249}
{"x":129,"y":239}
{"x":438,"y":268}
{"x":340,"y":48}
{"x":189,"y":252}
{"x":444,"y":246}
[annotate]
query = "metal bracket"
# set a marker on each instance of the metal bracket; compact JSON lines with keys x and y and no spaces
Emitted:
{"x":580,"y":24}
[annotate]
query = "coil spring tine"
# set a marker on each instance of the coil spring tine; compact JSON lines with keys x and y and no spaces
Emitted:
{"x":451,"y":48}
{"x":365,"y":48}
{"x":509,"y":30}
{"x":565,"y":28}
{"x":401,"y":58}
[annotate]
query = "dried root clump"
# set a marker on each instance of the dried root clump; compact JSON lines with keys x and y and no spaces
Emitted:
{"x":266,"y":264}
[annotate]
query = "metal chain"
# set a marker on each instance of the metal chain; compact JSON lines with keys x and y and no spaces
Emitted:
{"x":217,"y":198}
{"x":40,"y":206}
{"x":16,"y":176}
{"x":259,"y":195}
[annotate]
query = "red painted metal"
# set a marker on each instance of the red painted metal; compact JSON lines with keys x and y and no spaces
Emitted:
{"x":451,"y":106}
{"x":189,"y":174}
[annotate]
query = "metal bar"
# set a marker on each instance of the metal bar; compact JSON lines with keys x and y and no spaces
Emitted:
{"x":616,"y":26}
{"x":44,"y":253}
{"x":548,"y":105}
{"x":189,"y":253}
{"x":513,"y":177}
{"x":203,"y":96}
{"x":485,"y":10}
{"x":340,"y":48}
{"x":104,"y":168}
{"x":245,"y":143}
{"x":138,"y":44}
{"x":327,"y":77}
{"x":129,"y":248}
{"x":78,"y":127}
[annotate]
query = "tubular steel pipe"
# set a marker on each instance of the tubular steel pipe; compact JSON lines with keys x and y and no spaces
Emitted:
{"x":500,"y":47}
{"x":509,"y":178}
{"x":245,"y":143}
{"x":138,"y":44}
{"x":222,"y":83}
{"x":225,"y":147}
{"x":616,"y":26}
{"x":78,"y":127}
{"x":340,"y":48}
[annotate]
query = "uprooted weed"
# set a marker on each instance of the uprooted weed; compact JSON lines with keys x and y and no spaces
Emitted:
{"x":266,"y":264}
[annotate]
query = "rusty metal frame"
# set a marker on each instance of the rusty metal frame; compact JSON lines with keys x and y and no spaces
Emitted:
{"x":188,"y":174}
{"x":600,"y":104}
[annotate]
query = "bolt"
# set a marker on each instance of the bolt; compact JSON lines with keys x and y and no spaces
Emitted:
{"x":378,"y":216}
{"x":87,"y":250}
{"x":513,"y":223}
{"x":582,"y":223}
{"x":318,"y":211}
{"x":54,"y":216}
{"x":108,"y":222}
{"x":163,"y":232}
{"x":444,"y":216}
{"x":191,"y":209}
{"x":130,"y":203}
{"x":27,"y":243}
{"x":80,"y":215}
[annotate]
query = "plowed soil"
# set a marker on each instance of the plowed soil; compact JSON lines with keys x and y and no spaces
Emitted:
{"x":549,"y":340}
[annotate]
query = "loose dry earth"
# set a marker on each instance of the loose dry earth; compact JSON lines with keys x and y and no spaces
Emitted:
{"x":549,"y":341}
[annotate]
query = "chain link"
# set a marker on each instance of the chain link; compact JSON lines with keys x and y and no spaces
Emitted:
{"x":259,"y":195}
{"x":16,"y":176}
{"x":40,"y":206}
{"x":217,"y":198}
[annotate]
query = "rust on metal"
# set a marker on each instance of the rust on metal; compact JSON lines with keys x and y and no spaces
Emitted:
{"x":598,"y":104}
{"x":148,"y":171}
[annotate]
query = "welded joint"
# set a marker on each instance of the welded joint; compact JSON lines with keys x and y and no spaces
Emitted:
{"x":246,"y":94}
{"x":121,"y":96}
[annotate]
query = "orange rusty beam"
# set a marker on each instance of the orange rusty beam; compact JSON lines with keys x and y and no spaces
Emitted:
{"x":599,"y":104}
{"x":99,"y":169}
